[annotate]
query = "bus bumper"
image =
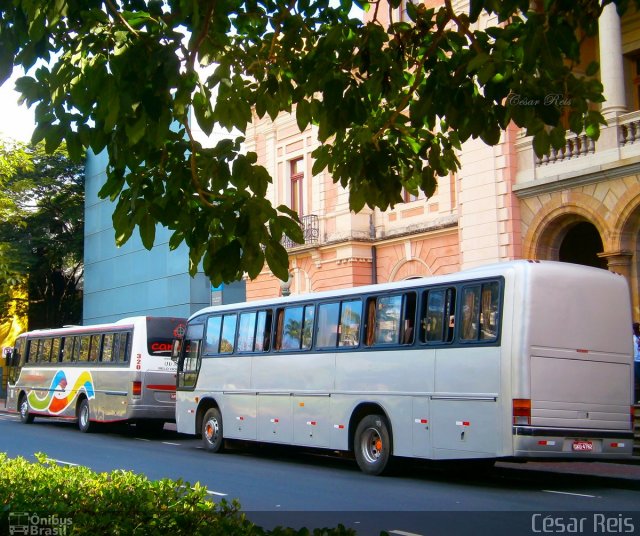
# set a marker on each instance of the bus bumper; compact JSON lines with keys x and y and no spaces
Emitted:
{"x":531,"y":442}
{"x":167,"y":414}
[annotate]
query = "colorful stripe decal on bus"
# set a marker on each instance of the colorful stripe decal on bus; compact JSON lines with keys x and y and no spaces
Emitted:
{"x":59,"y":397}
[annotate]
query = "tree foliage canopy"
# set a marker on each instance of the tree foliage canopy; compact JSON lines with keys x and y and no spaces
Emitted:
{"x":41,"y":234}
{"x":392,"y":101}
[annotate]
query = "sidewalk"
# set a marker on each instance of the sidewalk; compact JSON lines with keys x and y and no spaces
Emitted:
{"x":627,"y":469}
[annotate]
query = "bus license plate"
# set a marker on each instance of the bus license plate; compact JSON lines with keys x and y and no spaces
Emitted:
{"x":173,"y":396}
{"x":582,"y":446}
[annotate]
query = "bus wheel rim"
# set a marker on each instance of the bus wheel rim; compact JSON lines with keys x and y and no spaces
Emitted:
{"x":211,"y":430}
{"x":372,"y":445}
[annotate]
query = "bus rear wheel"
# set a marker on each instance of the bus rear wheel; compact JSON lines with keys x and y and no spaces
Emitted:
{"x":84,"y":423}
{"x":23,"y":406}
{"x":212,"y":430}
{"x":372,"y":444}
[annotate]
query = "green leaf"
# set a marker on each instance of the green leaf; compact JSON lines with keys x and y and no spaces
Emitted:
{"x":203,"y":111}
{"x":277,"y":259}
{"x":541,"y":143}
{"x":303,"y":114}
{"x":147,"y":226}
{"x":592,"y":68}
{"x":136,"y":130}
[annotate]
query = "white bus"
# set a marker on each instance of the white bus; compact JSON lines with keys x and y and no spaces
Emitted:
{"x":97,"y":374}
{"x":518,"y":360}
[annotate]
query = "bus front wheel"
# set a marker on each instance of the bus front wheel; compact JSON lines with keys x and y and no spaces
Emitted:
{"x":212,"y":430}
{"x":84,"y":423}
{"x":372,"y":444}
{"x":25,"y":416}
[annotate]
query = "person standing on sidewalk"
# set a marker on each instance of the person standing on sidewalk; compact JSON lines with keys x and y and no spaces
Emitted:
{"x":636,"y":360}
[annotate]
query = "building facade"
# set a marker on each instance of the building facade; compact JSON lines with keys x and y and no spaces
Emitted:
{"x":131,"y":280}
{"x":581,"y":204}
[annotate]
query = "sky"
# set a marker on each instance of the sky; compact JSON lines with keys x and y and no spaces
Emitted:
{"x":16,"y":122}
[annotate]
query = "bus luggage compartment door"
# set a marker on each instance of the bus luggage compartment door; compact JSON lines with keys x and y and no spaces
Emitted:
{"x":464,"y":426}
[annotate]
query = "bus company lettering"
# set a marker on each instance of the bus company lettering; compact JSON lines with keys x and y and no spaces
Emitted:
{"x":597,"y":524}
{"x":138,"y":361}
{"x":161,"y":346}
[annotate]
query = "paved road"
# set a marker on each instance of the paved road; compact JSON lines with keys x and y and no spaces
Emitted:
{"x":279,"y":486}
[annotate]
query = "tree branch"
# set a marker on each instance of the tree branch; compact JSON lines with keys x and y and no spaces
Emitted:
{"x":112,"y":7}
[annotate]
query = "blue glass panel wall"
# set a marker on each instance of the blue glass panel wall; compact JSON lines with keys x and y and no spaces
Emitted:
{"x":131,"y":280}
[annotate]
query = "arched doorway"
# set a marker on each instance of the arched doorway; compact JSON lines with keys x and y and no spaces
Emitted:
{"x":581,"y":245}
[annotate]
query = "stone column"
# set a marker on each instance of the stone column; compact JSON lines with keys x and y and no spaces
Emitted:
{"x":611,"y":63}
{"x":618,"y":262}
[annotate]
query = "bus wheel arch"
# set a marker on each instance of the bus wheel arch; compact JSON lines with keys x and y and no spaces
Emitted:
{"x":23,"y":408}
{"x":371,"y":438}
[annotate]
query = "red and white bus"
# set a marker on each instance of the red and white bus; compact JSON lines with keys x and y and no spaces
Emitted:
{"x":97,"y":374}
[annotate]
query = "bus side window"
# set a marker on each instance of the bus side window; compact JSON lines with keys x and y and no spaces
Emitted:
{"x":128,"y":340}
{"x":390,"y":319}
{"x":327,"y":336}
{"x":67,"y":349}
{"x":350,"y":318}
{"x":383,"y":320}
{"x":32,"y":350}
{"x":44,"y":351}
{"x":119,"y":347}
{"x":263,"y":332}
{"x":480,"y":312}
{"x":277,"y":338}
{"x":307,"y":327}
{"x":56,"y":345}
{"x":247,"y":332}
{"x":438,"y":316}
{"x":292,"y":325}
{"x":490,"y":311}
{"x":76,"y":348}
{"x":85,"y":341}
{"x":94,"y":348}
{"x":228,"y":339}
{"x":450,"y":313}
{"x":408,"y":318}
{"x":212,"y":335}
{"x":107,"y":348}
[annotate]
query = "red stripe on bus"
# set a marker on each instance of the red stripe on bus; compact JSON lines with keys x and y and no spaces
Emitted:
{"x":162,"y":387}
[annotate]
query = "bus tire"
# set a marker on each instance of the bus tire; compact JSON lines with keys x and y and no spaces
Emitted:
{"x":212,"y":430}
{"x":84,"y":423}
{"x":23,"y":407}
{"x":372,"y":444}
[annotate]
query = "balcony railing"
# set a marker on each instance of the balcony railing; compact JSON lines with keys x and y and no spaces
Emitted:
{"x":629,"y":130}
{"x":576,"y":146}
{"x":310,"y":232}
{"x":618,"y":145}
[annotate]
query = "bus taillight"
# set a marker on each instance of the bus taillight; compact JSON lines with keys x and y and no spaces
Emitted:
{"x":137,"y":389}
{"x":521,"y":411}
